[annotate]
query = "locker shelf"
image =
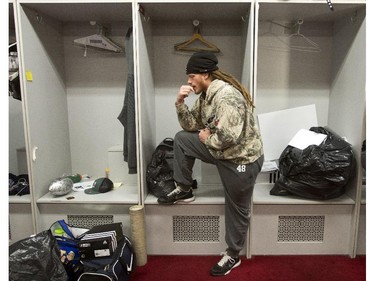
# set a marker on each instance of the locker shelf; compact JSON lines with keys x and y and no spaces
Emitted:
{"x":121,"y":195}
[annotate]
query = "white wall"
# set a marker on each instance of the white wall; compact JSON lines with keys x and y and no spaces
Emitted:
{"x":290,"y":78}
{"x":348,"y":97}
{"x":95,"y":92}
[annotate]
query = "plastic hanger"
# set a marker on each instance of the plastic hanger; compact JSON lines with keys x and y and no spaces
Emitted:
{"x":188,"y":46}
{"x":98,"y":41}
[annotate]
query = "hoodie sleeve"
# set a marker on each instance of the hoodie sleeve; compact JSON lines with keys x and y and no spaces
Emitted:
{"x":190,"y":120}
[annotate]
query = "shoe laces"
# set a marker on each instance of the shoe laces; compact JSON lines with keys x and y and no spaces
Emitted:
{"x":225,"y":259}
{"x":177,"y":190}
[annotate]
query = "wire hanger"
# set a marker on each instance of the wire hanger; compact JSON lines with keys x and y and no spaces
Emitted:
{"x":188,"y":46}
{"x":98,"y":41}
{"x":277,"y":42}
{"x":294,"y":42}
{"x":304,"y":43}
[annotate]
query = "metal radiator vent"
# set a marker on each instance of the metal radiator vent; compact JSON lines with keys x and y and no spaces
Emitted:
{"x":300,"y":229}
{"x":89,"y":221}
{"x":196,"y":229}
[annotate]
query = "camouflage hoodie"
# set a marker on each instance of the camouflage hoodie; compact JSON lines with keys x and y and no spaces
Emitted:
{"x":223,"y":109}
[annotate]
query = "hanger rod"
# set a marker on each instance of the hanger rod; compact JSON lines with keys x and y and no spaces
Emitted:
{"x":13,"y":44}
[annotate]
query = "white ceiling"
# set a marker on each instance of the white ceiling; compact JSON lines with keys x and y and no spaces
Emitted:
{"x":307,"y":11}
{"x":83,"y":12}
{"x":201,"y":11}
{"x":110,"y":12}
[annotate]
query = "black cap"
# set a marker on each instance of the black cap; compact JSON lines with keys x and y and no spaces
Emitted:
{"x":100,"y":185}
{"x":202,"y":62}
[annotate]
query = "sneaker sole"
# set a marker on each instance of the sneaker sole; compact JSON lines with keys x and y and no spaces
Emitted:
{"x":188,"y":200}
{"x":234,"y":266}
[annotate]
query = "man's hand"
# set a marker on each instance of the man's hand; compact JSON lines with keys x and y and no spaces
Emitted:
{"x":204,"y":134}
{"x":184,"y":92}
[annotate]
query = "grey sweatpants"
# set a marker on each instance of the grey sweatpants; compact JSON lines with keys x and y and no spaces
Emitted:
{"x":238,"y":182}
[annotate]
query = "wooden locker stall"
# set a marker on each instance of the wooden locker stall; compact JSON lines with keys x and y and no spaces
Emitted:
{"x":326,"y":67}
{"x":161,"y":72}
{"x":73,"y":96}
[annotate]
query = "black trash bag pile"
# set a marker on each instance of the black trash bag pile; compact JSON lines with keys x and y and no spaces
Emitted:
{"x":36,"y":259}
{"x":317,"y":172}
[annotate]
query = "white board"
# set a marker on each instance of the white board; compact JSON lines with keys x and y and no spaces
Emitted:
{"x":279,"y":127}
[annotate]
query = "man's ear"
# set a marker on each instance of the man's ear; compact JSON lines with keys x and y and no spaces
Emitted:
{"x":206,"y":76}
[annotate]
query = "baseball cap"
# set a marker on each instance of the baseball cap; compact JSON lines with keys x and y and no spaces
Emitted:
{"x":100,"y":185}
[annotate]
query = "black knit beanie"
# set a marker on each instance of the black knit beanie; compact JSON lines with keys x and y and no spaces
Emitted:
{"x":202,"y":62}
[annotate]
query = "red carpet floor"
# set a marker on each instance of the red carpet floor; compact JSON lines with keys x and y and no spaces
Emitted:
{"x":259,"y":268}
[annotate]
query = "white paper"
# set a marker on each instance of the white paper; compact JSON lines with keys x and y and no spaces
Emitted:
{"x":82,"y":185}
{"x":278,"y":128}
{"x":304,"y":138}
{"x":269,"y":166}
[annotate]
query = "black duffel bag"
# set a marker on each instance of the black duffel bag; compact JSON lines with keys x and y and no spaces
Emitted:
{"x":117,"y":267}
{"x":159,"y":173}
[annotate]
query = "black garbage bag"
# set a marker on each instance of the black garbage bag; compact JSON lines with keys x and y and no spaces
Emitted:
{"x":159,"y":173}
{"x":36,"y":258}
{"x":318,"y":171}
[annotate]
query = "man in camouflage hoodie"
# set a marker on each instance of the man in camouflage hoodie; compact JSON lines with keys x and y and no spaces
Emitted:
{"x":219,"y":129}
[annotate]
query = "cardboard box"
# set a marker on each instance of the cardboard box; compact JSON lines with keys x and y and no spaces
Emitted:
{"x":96,"y":247}
{"x":100,"y":241}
